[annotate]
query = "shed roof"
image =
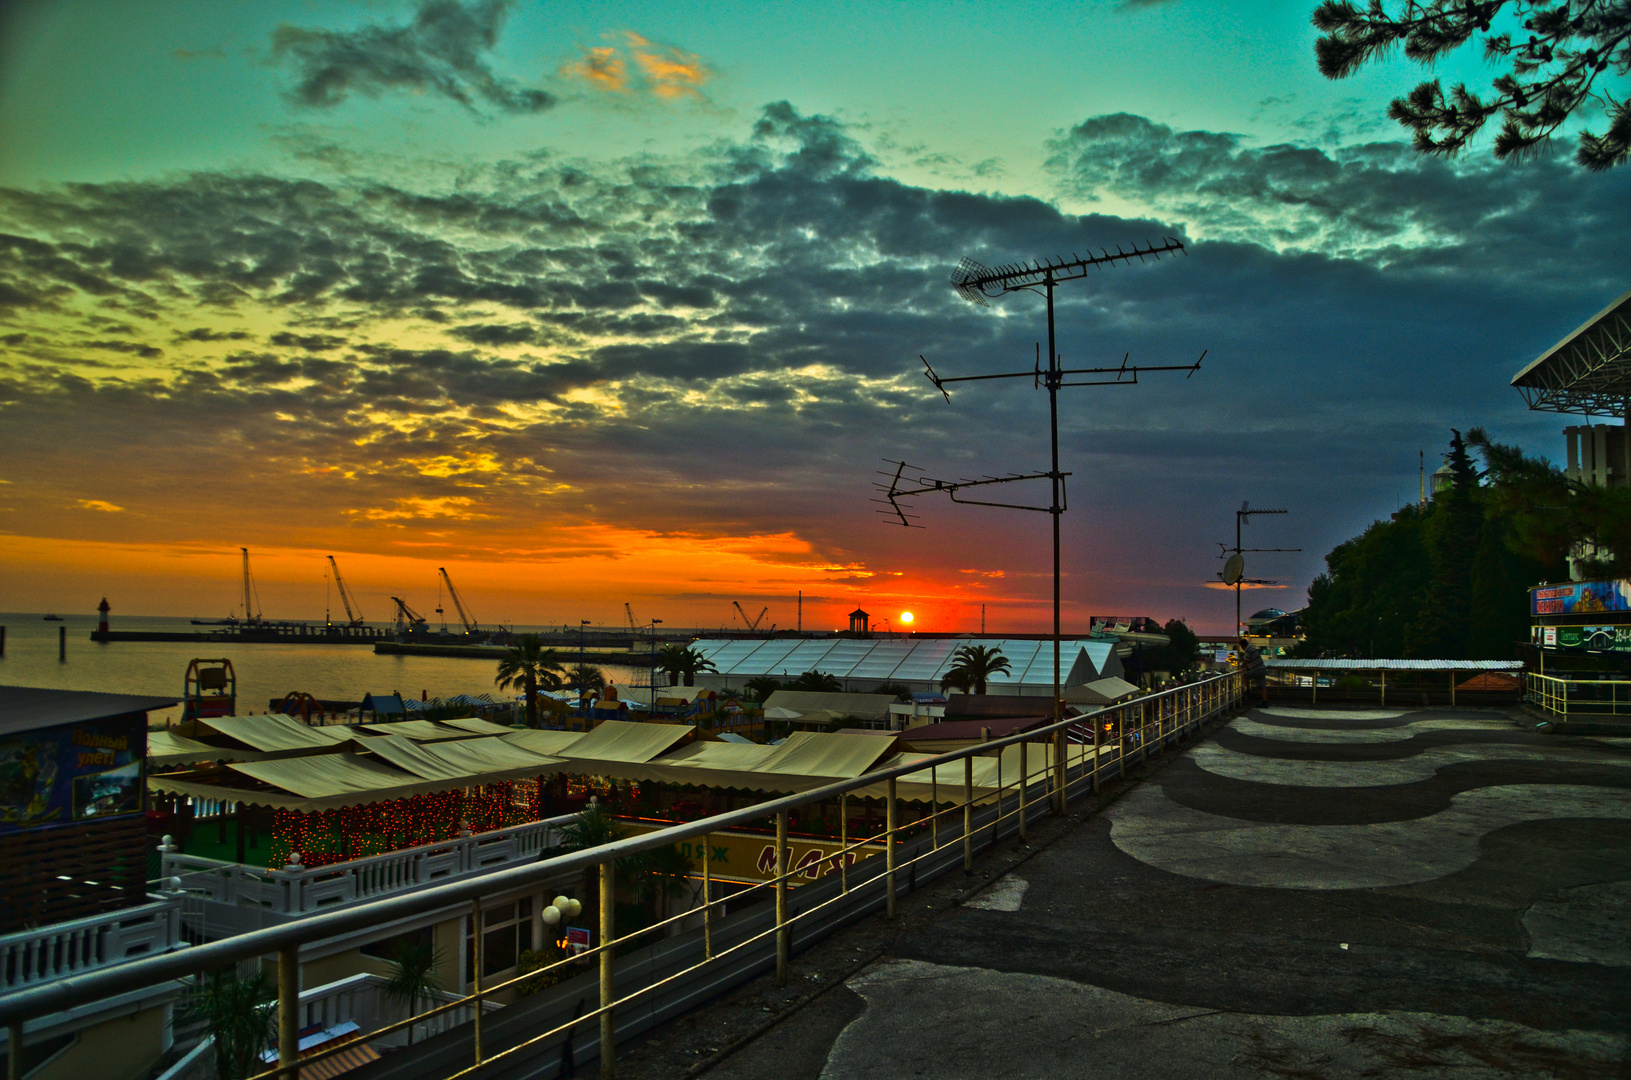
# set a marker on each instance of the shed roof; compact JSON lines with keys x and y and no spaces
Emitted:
{"x":831,"y":706}
{"x":27,"y":708}
{"x":1100,"y":691}
{"x":962,"y":730}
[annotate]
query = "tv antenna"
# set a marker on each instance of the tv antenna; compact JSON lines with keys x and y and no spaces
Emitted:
{"x":977,"y":283}
{"x":1234,"y":561}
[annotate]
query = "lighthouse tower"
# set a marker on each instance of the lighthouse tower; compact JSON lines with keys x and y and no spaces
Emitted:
{"x":102,"y":627}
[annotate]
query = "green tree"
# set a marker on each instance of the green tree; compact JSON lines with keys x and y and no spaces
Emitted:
{"x":760,"y":687}
{"x":1180,"y":652}
{"x":902,"y":694}
{"x":584,"y":678}
{"x":527,"y":666}
{"x":973,"y":665}
{"x":1560,"y":56}
{"x":684,"y":663}
{"x":1439,"y":630}
{"x":240,"y":1014}
{"x":412,"y":976}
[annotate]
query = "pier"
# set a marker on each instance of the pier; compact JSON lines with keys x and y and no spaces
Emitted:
{"x":280,"y":634}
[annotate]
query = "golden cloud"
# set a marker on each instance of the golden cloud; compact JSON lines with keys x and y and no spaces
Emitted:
{"x":663,"y":71}
{"x":98,"y":504}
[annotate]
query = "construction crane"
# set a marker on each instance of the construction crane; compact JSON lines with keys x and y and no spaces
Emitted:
{"x":353,"y":610}
{"x":752,"y":624}
{"x":407,"y":619}
{"x":633,"y":629}
{"x":464,"y":616}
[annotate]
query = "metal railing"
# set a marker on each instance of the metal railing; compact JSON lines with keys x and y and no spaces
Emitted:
{"x":727,"y":950}
{"x":1560,"y":696}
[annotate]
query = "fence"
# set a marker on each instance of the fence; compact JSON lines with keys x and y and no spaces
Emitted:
{"x":69,"y":948}
{"x":1596,"y":697}
{"x":646,"y":986}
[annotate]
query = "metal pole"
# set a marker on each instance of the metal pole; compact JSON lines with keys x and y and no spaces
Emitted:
{"x":1054,"y":380}
{"x":889,"y":844}
{"x":14,"y":1052}
{"x":1024,"y":778}
{"x":968,"y":815}
{"x":707,"y":904}
{"x":1452,"y":689}
{"x":608,"y":993}
{"x":288,"y":1013}
{"x":934,"y":806}
{"x":781,"y":897}
{"x":1384,"y":686}
{"x":62,"y":643}
{"x":478,"y":932}
{"x":843,"y":841}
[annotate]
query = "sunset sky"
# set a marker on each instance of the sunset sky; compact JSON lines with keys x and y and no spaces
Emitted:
{"x":623,"y":302}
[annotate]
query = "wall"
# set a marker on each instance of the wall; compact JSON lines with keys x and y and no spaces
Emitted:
{"x":121,"y":1049}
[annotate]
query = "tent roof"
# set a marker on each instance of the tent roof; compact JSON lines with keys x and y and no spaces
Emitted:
{"x":417,"y":730}
{"x":827,"y":754}
{"x":805,"y":702}
{"x":627,"y":741}
{"x":961,"y":730}
{"x":274,"y":733}
{"x":1100,"y":691}
{"x":542,"y":741}
{"x":1587,"y":372}
{"x":478,"y":725}
{"x":167,"y":748}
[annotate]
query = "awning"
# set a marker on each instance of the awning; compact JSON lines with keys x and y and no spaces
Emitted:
{"x":472,"y":761}
{"x":542,"y":741}
{"x":478,"y":725}
{"x":1100,"y":692}
{"x":828,"y":755}
{"x":275,"y":733}
{"x":625,"y":741}
{"x":167,"y":748}
{"x":417,"y":730}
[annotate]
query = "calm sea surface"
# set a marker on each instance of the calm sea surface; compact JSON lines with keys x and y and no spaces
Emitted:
{"x":334,"y":672}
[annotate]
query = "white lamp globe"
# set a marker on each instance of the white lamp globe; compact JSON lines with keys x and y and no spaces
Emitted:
{"x":574,"y":908}
{"x":552,"y":915}
{"x":561,"y":902}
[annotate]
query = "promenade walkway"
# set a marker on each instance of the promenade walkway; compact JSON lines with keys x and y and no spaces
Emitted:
{"x":1304,"y":893}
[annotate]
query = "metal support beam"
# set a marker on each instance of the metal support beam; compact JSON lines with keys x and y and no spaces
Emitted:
{"x":608,"y":992}
{"x":288,"y":1013}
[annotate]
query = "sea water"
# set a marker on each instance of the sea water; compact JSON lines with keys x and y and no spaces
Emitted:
{"x":264,"y":671}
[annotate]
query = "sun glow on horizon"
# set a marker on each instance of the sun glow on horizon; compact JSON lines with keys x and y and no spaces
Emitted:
{"x":905,"y":616}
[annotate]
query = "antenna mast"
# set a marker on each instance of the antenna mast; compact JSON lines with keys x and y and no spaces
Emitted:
{"x":1235,"y":565}
{"x":977,"y":283}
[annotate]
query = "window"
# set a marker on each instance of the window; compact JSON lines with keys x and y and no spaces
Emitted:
{"x":508,"y":931}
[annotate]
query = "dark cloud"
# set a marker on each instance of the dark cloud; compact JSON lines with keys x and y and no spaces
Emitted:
{"x":134,"y":348}
{"x":732,"y":343}
{"x":441,"y":52}
{"x":204,"y":333}
{"x":309,"y":342}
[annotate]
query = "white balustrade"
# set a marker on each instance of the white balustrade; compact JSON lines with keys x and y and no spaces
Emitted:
{"x":297,"y":890}
{"x":67,"y":948}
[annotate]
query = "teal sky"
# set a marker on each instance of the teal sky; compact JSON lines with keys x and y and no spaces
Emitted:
{"x":623,"y":303}
{"x":95,"y":91}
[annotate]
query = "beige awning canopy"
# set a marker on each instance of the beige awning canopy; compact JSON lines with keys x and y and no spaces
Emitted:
{"x":1100,"y":692}
{"x":471,"y":762}
{"x":545,"y":741}
{"x":418,"y":730}
{"x":477,"y":725}
{"x":824,"y":707}
{"x":831,"y":755}
{"x":626,"y":742}
{"x":167,"y":748}
{"x":274,"y":733}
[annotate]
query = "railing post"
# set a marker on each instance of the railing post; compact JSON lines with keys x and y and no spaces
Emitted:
{"x":843,"y":841}
{"x":1024,"y":778}
{"x":608,"y":993}
{"x":968,"y":815}
{"x":1093,"y":769}
{"x":14,"y":1052}
{"x":478,"y":960}
{"x":707,"y":904}
{"x":1059,"y":772}
{"x":781,"y":896}
{"x":889,"y":844}
{"x":288,"y":1013}
{"x":934,"y":807}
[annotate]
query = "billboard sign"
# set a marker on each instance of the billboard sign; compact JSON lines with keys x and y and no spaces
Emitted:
{"x":76,"y":772}
{"x":1590,"y":638}
{"x":1580,"y":598}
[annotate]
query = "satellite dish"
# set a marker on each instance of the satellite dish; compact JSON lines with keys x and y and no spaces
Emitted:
{"x":1234,"y":569}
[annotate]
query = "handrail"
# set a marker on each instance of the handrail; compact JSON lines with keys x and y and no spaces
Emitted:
{"x":35,"y":1002}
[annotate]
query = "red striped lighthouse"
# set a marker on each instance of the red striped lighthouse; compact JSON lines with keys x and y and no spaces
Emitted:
{"x":102,"y":627}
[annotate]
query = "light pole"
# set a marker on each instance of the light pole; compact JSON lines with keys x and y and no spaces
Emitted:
{"x":583,"y":697}
{"x":651,"y":684}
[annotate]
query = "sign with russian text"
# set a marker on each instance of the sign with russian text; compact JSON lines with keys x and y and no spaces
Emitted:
{"x":75,"y":772}
{"x":1580,"y":597}
{"x":749,"y":857}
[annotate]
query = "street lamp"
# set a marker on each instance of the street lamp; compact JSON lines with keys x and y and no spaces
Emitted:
{"x":583,"y":697}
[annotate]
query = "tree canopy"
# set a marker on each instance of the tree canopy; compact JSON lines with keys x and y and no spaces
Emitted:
{"x":526,"y":667}
{"x":1560,"y":58}
{"x":972,"y":666}
{"x":684,"y":662}
{"x":1180,"y":652}
{"x":1450,"y":580}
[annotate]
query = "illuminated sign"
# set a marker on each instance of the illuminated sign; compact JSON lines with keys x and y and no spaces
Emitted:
{"x":752,"y":857}
{"x":1580,"y":598}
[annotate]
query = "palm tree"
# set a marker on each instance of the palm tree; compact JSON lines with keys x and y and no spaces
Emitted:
{"x":241,"y":1014}
{"x":684,"y":662}
{"x":902,"y":694}
{"x":817,"y":681}
{"x":761,"y":687}
{"x":527,"y":666}
{"x":413,"y":975}
{"x":973,"y":665}
{"x":584,"y":678}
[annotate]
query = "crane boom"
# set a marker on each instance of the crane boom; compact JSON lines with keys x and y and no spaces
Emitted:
{"x":353,"y":612}
{"x":752,"y":624}
{"x":464,"y":616}
{"x":630,"y":613}
{"x":406,"y":617}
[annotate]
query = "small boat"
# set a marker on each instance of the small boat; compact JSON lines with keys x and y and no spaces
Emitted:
{"x":230,"y":620}
{"x":53,"y":618}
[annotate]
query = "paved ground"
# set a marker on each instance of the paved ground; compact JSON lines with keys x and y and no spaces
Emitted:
{"x":1303,"y":894}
